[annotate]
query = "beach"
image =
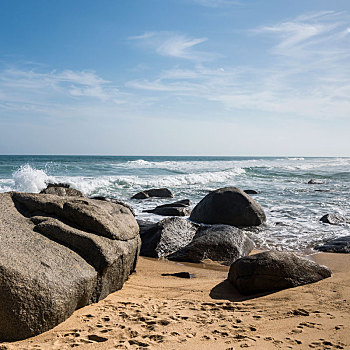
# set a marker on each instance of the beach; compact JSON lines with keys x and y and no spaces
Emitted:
{"x":156,"y":311}
{"x":153,"y":311}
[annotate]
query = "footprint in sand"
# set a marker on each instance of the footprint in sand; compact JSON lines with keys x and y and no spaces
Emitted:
{"x":97,"y":338}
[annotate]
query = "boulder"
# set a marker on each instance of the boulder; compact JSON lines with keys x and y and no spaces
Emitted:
{"x":221,"y":243}
{"x":59,"y":254}
{"x":61,"y":189}
{"x":334,"y":219}
{"x":315,"y":182}
{"x":154,"y":192}
{"x":272,"y":271}
{"x":166,"y":237}
{"x":230,"y":206}
{"x":337,"y":245}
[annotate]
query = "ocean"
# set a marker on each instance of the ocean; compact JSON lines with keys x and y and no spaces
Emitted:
{"x":293,"y":207}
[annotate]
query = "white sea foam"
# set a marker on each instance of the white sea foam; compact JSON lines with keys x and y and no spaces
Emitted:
{"x":28,"y":179}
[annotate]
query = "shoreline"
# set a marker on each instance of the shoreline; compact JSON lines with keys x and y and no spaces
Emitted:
{"x":153,"y":311}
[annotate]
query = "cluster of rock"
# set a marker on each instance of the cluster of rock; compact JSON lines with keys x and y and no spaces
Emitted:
{"x":214,"y":233}
{"x":60,"y":252}
{"x":181,"y":240}
{"x":70,"y":250}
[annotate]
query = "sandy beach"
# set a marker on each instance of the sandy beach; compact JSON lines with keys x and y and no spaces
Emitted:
{"x":165,"y":312}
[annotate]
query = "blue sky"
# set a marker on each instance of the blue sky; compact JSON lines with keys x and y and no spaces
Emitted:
{"x":175,"y":77}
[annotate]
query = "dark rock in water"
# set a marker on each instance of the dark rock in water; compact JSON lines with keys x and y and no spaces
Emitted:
{"x":154,"y":192}
{"x":230,"y":206}
{"x":61,"y":189}
{"x":171,"y":211}
{"x":179,"y":208}
{"x":180,"y":274}
{"x":59,"y":254}
{"x":250,"y":192}
{"x":272,"y":271}
{"x":116,"y":201}
{"x":337,"y":245}
{"x":334,"y":219}
{"x":179,"y":204}
{"x":315,"y":182}
{"x":216,"y":242}
{"x":166,"y":236}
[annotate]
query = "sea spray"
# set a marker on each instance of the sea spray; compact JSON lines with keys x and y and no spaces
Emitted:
{"x":28,"y":179}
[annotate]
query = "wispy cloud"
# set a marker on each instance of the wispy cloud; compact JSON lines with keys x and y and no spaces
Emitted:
{"x":308,"y":34}
{"x":27,"y":90}
{"x":306,"y":72}
{"x":174,"y":45}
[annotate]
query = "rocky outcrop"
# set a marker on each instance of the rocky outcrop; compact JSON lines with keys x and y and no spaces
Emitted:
{"x":335,"y":219}
{"x":60,"y":189}
{"x":59,"y":254}
{"x":179,"y":208}
{"x":166,"y":237}
{"x":221,"y":243}
{"x":154,"y":192}
{"x":272,"y":271}
{"x":337,"y":245}
{"x":230,"y":206}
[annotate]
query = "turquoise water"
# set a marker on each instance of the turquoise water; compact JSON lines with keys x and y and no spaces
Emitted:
{"x":293,"y":207}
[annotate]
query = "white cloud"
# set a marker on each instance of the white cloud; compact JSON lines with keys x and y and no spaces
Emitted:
{"x":174,"y":45}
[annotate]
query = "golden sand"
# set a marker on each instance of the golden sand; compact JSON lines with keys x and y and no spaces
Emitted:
{"x":165,"y":312}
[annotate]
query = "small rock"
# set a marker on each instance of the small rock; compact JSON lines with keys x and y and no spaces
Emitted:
{"x":338,"y":245}
{"x":154,"y":192}
{"x":334,"y":219}
{"x":180,"y":274}
{"x":61,"y":189}
{"x":315,"y":182}
{"x":250,"y":192}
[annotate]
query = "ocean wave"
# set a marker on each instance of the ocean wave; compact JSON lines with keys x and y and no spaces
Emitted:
{"x":28,"y":179}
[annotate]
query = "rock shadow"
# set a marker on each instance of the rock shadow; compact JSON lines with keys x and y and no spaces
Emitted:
{"x":226,"y":291}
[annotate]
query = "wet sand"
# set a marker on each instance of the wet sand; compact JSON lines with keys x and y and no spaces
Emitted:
{"x":165,"y":312}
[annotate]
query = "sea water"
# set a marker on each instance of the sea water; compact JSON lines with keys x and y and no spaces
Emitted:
{"x":293,"y":207}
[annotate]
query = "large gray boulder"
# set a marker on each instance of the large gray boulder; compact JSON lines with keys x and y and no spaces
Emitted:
{"x":337,"y":245}
{"x":166,"y":237}
{"x":272,"y":271}
{"x":221,"y":243}
{"x":60,"y":189}
{"x":230,"y":206}
{"x":59,"y":254}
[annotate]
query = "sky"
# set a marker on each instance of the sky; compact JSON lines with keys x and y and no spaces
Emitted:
{"x":175,"y":77}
